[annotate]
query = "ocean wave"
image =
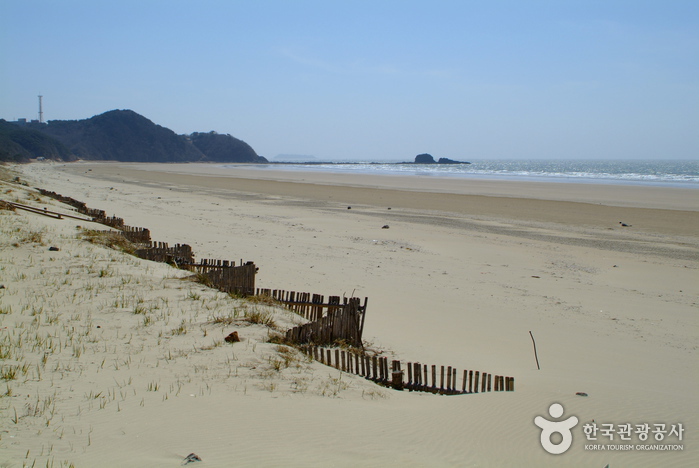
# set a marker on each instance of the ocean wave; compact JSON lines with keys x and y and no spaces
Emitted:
{"x":683,"y":173}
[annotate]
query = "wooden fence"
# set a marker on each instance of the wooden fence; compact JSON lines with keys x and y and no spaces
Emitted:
{"x":136,"y":235}
{"x":342,"y":323}
{"x":162,"y":252}
{"x":225,"y":276}
{"x":310,"y":306}
{"x":444,"y":380}
{"x":221,"y":274}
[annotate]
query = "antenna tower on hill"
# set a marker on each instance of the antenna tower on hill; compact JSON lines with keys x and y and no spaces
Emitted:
{"x":41,"y":110}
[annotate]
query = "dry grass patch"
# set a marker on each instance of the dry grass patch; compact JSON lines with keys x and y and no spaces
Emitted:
{"x":263,"y":300}
{"x":112,"y":239}
{"x":260,"y":317}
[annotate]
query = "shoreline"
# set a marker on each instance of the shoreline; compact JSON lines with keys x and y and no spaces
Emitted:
{"x":464,"y":176}
{"x":649,"y":210}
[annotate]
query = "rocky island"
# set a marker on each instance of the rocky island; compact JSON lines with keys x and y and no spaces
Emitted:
{"x":426,"y":158}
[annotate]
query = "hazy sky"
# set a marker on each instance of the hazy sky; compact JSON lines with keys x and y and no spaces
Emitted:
{"x":371,"y":79}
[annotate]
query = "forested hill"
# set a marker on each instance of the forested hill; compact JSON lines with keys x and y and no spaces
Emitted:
{"x":219,"y":148}
{"x":124,"y":135}
{"x":18,"y":144}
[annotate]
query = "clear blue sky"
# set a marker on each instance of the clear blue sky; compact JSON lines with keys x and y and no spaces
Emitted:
{"x":371,"y":79}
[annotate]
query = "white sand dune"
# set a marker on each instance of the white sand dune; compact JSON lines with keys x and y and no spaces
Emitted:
{"x":460,"y":278}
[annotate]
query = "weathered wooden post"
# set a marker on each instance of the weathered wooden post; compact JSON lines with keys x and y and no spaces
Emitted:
{"x":463,"y":383}
{"x":397,"y":376}
{"x":475,"y":386}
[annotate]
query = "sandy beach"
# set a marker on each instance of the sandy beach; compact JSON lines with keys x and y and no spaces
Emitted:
{"x":462,"y":274}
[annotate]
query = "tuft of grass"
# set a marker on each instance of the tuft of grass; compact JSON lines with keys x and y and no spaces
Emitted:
{"x":287,"y":357}
{"x":228,"y":319}
{"x":32,"y":237}
{"x":9,"y":372}
{"x":6,"y":351}
{"x":181,"y":330}
{"x":112,"y":239}
{"x":277,"y":338}
{"x":259,"y":317}
{"x":261,"y":299}
{"x":201,"y":278}
{"x":193,"y":296}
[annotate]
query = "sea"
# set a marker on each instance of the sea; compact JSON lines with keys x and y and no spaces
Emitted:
{"x":668,"y":173}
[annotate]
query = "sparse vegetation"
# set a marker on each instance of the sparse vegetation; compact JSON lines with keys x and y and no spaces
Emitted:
{"x":89,"y":319}
{"x":201,"y":278}
{"x":181,"y":330}
{"x":260,"y":317}
{"x":112,"y":239}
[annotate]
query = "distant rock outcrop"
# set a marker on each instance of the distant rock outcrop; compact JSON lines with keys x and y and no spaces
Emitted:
{"x":450,"y":161}
{"x":425,"y":158}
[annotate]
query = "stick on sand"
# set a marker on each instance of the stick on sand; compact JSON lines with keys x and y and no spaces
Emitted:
{"x":535,"y":354}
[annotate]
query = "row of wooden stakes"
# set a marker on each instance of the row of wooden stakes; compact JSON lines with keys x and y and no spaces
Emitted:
{"x":229,"y":278}
{"x":444,"y":379}
{"x":310,"y":306}
{"x":222,"y":274}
